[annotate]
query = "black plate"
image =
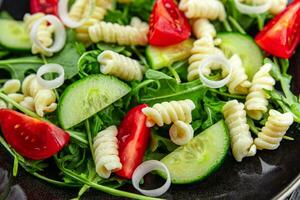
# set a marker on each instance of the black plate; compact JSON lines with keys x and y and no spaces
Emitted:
{"x":270,"y":174}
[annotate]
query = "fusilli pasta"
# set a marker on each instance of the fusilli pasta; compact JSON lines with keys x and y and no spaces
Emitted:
{"x":44,"y":33}
{"x":238,"y":83}
{"x":120,"y":66}
{"x":28,"y":103}
{"x":181,"y":133}
{"x":11,"y":86}
{"x":257,"y":99}
{"x":274,"y":130}
{"x":241,"y":139}
{"x":212,"y":9}
{"x":276,"y":7}
{"x":203,"y":28}
{"x":116,"y":33}
{"x":202,"y":48}
{"x":2,"y":104}
{"x":43,"y":99}
{"x":169,"y":112}
{"x":106,"y":152}
{"x":16,"y":97}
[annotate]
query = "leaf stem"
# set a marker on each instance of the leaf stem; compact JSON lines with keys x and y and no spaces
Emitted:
{"x":90,"y":139}
{"x":227,"y":95}
{"x":236,"y":25}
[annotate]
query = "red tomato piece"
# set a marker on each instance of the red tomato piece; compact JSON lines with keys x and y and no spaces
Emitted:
{"x":44,"y":6}
{"x":168,"y":25}
{"x":281,"y":36}
{"x":32,"y":138}
{"x":133,"y":137}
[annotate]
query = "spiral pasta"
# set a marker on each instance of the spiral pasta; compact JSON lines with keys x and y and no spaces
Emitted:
{"x":138,"y":23}
{"x":80,"y":9}
{"x":202,"y":48}
{"x":28,"y":103}
{"x":16,"y":97}
{"x":238,"y":83}
{"x":257,"y":99}
{"x":212,"y":9}
{"x":274,"y":130}
{"x":203,"y":28}
{"x":44,"y":99}
{"x":241,"y":139}
{"x":277,"y":6}
{"x":181,"y":133}
{"x":106,"y":152}
{"x":11,"y":86}
{"x":44,"y":33}
{"x":169,"y":112}
{"x":2,"y":104}
{"x":115,"y":33}
{"x":120,"y":66}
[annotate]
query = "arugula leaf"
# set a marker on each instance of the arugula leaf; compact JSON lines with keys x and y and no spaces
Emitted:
{"x":169,"y":89}
{"x":286,"y":100}
{"x":156,"y":75}
{"x":158,"y":141}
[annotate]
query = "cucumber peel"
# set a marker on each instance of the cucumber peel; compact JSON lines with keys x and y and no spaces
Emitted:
{"x":88,"y":96}
{"x":244,"y":46}
{"x":159,"y":57}
{"x":202,"y":156}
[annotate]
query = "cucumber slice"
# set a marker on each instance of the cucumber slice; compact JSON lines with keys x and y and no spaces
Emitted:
{"x":14,"y":35}
{"x":88,"y":96}
{"x":160,"y":57}
{"x":246,"y":48}
{"x":202,"y":156}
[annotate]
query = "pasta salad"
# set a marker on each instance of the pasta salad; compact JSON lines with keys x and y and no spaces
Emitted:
{"x":112,"y":90}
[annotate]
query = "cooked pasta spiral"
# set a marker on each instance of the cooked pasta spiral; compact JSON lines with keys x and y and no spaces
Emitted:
{"x":202,"y":48}
{"x":241,"y":139}
{"x":80,"y":9}
{"x":44,"y":33}
{"x":11,"y":86}
{"x":115,"y":33}
{"x":124,"y":1}
{"x":106,"y":152}
{"x":181,"y":133}
{"x":44,"y":99}
{"x":212,"y":9}
{"x":120,"y":66}
{"x":28,"y":103}
{"x":238,"y":83}
{"x":139,"y":24}
{"x":2,"y":104}
{"x":16,"y":97}
{"x":257,"y":99}
{"x":203,"y":28}
{"x":277,"y":6}
{"x":169,"y":112}
{"x":274,"y":130}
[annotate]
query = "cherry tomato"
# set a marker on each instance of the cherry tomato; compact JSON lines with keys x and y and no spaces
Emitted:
{"x":168,"y":25}
{"x":133,"y":137}
{"x":44,"y":6}
{"x":32,"y":138}
{"x":281,"y":36}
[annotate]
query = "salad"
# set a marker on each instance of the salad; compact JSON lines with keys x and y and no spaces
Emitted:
{"x":109,"y":91}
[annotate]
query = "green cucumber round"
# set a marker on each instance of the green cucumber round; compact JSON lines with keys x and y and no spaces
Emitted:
{"x":14,"y":35}
{"x":246,"y":48}
{"x":88,"y":96}
{"x":202,"y":156}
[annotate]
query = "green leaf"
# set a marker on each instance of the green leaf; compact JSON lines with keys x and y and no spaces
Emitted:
{"x":158,"y":141}
{"x":169,"y":89}
{"x":68,"y":57}
{"x":156,"y":75}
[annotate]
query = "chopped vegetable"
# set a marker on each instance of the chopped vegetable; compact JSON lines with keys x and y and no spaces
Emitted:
{"x":281,"y":35}
{"x":134,"y":137}
{"x":44,"y":6}
{"x":32,"y":138}
{"x":203,"y":155}
{"x":88,"y":96}
{"x":168,"y":25}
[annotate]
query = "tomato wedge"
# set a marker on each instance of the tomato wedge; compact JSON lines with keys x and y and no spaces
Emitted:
{"x":281,"y":36}
{"x":168,"y":25}
{"x":133,"y":137}
{"x":32,"y":138}
{"x":44,"y":6}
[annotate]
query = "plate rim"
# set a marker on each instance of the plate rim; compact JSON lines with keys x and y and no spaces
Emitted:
{"x":289,"y":189}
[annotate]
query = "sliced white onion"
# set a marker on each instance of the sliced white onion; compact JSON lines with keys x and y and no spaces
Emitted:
{"x":64,"y":14}
{"x":51,"y":68}
{"x":59,"y":37}
{"x":216,"y":59}
{"x":145,"y":168}
{"x":248,"y":9}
